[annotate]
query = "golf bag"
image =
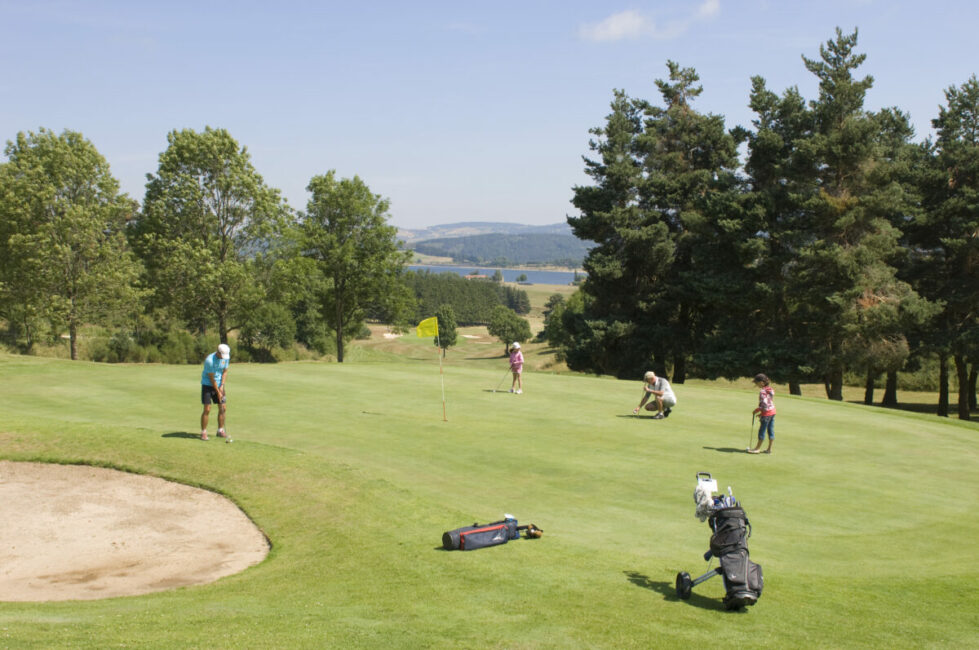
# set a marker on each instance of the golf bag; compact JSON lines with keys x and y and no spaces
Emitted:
{"x":469,"y":538}
{"x":729,"y":544}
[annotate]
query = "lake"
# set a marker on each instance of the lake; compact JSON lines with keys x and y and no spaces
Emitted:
{"x":509,"y":275}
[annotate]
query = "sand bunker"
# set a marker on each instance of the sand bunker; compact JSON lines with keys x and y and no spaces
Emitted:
{"x":73,"y":532}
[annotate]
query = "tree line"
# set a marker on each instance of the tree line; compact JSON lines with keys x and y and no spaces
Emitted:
{"x":508,"y":249}
{"x":820,"y":242}
{"x":212,"y":249}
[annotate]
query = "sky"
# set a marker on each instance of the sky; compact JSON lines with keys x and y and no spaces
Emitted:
{"x":454,"y":111}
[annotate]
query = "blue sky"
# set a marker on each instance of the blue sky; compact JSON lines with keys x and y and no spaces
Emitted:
{"x":455,"y":111}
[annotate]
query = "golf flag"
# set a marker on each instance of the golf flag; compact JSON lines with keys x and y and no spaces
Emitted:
{"x":428,"y":327}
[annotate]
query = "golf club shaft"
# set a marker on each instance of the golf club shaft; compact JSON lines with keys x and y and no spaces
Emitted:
{"x":501,"y":380}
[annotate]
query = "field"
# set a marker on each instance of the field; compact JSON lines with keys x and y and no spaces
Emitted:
{"x":863,"y":518}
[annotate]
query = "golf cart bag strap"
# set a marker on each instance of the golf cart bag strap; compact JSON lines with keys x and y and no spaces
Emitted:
{"x":469,"y":538}
{"x":731,"y":531}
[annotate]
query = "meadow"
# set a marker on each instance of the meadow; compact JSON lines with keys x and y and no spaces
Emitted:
{"x":863,"y":517}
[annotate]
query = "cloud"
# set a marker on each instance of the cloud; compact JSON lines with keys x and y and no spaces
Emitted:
{"x":631,"y":24}
{"x":623,"y":25}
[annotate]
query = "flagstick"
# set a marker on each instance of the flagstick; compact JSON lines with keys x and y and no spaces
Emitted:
{"x":441,"y":376}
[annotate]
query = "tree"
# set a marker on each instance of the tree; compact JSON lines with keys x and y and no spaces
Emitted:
{"x":344,"y":231}
{"x":64,"y":254}
{"x":448,"y":335}
{"x":268,"y":326}
{"x":522,"y":277}
{"x":507,"y":326}
{"x":846,"y":266}
{"x":946,"y":243}
{"x":206,"y":212}
{"x":662,"y":213}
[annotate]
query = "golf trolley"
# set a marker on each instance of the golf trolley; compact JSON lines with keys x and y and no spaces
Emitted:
{"x":729,"y":543}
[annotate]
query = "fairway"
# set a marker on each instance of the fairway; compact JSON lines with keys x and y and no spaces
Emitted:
{"x":862,"y":517}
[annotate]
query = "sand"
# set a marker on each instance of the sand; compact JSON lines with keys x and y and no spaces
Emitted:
{"x":74,"y":532}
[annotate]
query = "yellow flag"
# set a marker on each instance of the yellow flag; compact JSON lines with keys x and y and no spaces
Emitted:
{"x":429,"y":327}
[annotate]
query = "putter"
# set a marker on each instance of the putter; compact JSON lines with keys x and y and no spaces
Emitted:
{"x":751,"y":431}
{"x":504,"y":377}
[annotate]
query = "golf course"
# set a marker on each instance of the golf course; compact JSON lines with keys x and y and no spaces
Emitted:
{"x":863,"y":518}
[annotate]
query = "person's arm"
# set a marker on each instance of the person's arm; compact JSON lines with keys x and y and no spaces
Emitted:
{"x":645,"y":398}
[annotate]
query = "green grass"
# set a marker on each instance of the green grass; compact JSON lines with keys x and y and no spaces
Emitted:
{"x":863,"y":518}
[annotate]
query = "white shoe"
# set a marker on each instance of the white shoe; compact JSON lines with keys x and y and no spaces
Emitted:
{"x":519,"y":391}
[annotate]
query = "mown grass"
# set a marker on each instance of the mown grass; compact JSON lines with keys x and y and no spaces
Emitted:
{"x":863,"y":517}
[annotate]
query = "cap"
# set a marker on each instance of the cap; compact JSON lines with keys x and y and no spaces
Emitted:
{"x":224,"y":351}
{"x":516,"y":345}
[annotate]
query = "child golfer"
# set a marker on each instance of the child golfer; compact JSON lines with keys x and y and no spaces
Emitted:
{"x":766,"y":411}
{"x":516,"y":367}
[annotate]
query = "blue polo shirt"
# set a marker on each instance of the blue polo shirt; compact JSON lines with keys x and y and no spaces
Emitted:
{"x":214,"y":364}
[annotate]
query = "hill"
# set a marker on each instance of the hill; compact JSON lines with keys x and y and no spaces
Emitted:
{"x":469,"y":228}
{"x":508,"y":249}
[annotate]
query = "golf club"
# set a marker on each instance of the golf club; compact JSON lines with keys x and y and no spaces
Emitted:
{"x":751,"y":431}
{"x":504,"y":377}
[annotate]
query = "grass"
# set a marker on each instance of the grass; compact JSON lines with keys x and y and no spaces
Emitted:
{"x":863,"y":517}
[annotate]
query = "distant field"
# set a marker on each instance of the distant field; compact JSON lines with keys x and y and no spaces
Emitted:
{"x":862,"y":518}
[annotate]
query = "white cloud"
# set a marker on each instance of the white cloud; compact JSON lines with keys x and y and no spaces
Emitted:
{"x":631,"y":25}
{"x":623,"y":25}
{"x":709,"y":9}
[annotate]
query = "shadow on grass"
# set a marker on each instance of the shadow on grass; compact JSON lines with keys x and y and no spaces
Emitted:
{"x":639,"y":416}
{"x":668,"y":590}
{"x":728,"y":450}
{"x":930,"y":408}
{"x":182,"y":434}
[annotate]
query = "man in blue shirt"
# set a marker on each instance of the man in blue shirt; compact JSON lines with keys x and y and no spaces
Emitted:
{"x":212,"y":388}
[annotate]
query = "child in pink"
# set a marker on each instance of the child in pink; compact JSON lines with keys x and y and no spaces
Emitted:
{"x":516,"y":367}
{"x":766,"y":412}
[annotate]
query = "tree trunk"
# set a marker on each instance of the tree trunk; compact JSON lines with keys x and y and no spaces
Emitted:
{"x":868,"y":389}
{"x":973,"y":371}
{"x":680,"y":370}
{"x":834,"y":386}
{"x":73,"y":338}
{"x":795,"y":388}
{"x":942,"y":385}
{"x":890,"y":390}
{"x":962,"y":375}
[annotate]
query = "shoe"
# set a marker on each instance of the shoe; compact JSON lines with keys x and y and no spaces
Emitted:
{"x":751,"y":451}
{"x":666,"y":413}
{"x":767,"y":451}
{"x":222,"y":433}
{"x":203,"y":435}
{"x":659,"y":416}
{"x":511,"y":390}
{"x":519,"y":391}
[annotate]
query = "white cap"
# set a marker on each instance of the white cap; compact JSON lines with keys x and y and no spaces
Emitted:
{"x":516,"y":345}
{"x":224,"y":351}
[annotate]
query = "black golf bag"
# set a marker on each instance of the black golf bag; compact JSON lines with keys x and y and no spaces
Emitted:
{"x":729,"y":544}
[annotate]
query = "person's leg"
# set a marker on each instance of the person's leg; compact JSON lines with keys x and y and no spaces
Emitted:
{"x":771,"y":434}
{"x":761,"y":435}
{"x":204,"y":417}
{"x":513,"y":383}
{"x":519,"y":382}
{"x":221,"y":410}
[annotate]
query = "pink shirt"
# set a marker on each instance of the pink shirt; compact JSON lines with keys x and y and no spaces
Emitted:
{"x":516,"y":361}
{"x":766,"y":401}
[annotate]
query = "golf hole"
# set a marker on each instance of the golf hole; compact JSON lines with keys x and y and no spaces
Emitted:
{"x":76,"y":532}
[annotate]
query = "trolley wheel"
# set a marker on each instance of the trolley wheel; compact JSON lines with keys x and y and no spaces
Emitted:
{"x":684,"y":585}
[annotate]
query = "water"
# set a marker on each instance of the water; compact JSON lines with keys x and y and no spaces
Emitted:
{"x":509,"y":275}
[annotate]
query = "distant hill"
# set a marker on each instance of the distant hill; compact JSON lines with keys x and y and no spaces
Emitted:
{"x":500,"y":249}
{"x":469,"y":228}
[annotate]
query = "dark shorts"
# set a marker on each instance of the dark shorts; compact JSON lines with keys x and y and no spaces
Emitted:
{"x":209,"y":395}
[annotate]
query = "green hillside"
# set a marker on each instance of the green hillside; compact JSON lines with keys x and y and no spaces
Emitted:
{"x":862,"y":517}
{"x":503,"y":249}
